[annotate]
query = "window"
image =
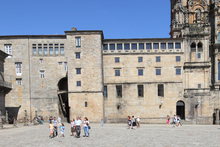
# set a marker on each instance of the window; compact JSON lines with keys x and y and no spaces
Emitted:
{"x":198,"y":55}
{"x":140,"y":59}
{"x":34,"y":49}
{"x":178,"y":58}
{"x":117,"y":72}
{"x":62,"y":49}
{"x":112,"y":46}
{"x":78,"y":71}
{"x":105,"y":92}
{"x":158,"y":71}
{"x":200,"y":47}
{"x":127,"y":46}
{"x":199,"y":86}
{"x":117,"y":59}
{"x":193,"y":47}
{"x":178,"y":71}
{"x":105,"y":47}
{"x":148,"y":46}
{"x":140,"y":72}
{"x":140,"y":90}
{"x":65,"y":66}
{"x":134,"y":46}
{"x":163,"y":46}
{"x":78,"y":83}
{"x":56,"y":49}
{"x":19,"y":81}
{"x":119,"y":91}
{"x":160,"y":90}
{"x":157,"y":58}
{"x":119,"y":46}
{"x":141,"y":46}
{"x":42,"y":74}
{"x":40,"y":52}
{"x":60,"y":63}
{"x":78,"y":41}
{"x":170,"y":45}
{"x":77,"y":55}
{"x":8,"y":49}
{"x":86,"y":104}
{"x":51,"y":49}
{"x":45,"y":49}
{"x":18,"y":67}
{"x":177,"y":45}
{"x":156,"y":45}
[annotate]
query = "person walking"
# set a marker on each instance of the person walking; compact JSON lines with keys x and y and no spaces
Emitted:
{"x":86,"y":127}
{"x":55,"y":125}
{"x":78,"y":124}
{"x":62,"y":129}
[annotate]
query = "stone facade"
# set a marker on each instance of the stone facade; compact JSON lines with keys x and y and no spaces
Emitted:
{"x":112,"y":78}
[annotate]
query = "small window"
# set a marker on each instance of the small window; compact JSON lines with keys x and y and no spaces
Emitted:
{"x":45,"y":50}
{"x":148,"y":46}
{"x":127,"y":46}
{"x":158,"y":71}
{"x":112,"y":46}
{"x":200,"y":47}
{"x":193,"y":47}
{"x":157,"y":58}
{"x":105,"y":47}
{"x":51,"y":49}
{"x":62,"y":49}
{"x":34,"y":49}
{"x":178,"y":71}
{"x":65,"y":66}
{"x":77,"y":55}
{"x":178,"y":58}
{"x":141,"y":46}
{"x":56,"y":49}
{"x":18,"y":68}
{"x":78,"y":71}
{"x":119,"y":91}
{"x":42,"y":74}
{"x":60,"y":63}
{"x":170,"y":45}
{"x":86,"y":104}
{"x":156,"y":45}
{"x":117,"y":59}
{"x":105,"y":92}
{"x":78,"y":83}
{"x":160,"y":90}
{"x":140,"y":90}
{"x":140,"y":59}
{"x":177,"y":45}
{"x":163,"y":46}
{"x":19,"y":81}
{"x":78,"y":41}
{"x":198,"y":55}
{"x":199,"y":86}
{"x":117,"y":72}
{"x":134,"y":46}
{"x":119,"y":46}
{"x":140,"y":72}
{"x":8,"y":49}
{"x":40,"y":52}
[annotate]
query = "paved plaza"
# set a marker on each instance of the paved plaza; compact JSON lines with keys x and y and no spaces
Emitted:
{"x":115,"y":135}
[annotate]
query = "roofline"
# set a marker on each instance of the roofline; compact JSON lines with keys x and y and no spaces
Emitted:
{"x":143,"y":39}
{"x":32,"y":36}
{"x":84,"y":31}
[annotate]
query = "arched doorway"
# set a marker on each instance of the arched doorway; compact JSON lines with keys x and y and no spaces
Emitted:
{"x":180,"y":109}
{"x":63,"y":98}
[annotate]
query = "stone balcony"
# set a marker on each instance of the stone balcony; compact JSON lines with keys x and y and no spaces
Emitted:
{"x":189,"y":93}
{"x":196,"y":65}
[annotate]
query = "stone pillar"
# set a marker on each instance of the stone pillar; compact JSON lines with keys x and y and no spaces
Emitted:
{"x":217,"y":117}
{"x":1,"y":121}
{"x":6,"y":117}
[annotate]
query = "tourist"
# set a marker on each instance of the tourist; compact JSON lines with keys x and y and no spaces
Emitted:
{"x":86,"y":127}
{"x":133,"y":122}
{"x":73,"y":127}
{"x":51,"y":127}
{"x":55,"y":125}
{"x":129,"y":122}
{"x":62,"y":129}
{"x":168,"y":120}
{"x":78,"y":124}
{"x":138,"y":121}
{"x":179,"y":121}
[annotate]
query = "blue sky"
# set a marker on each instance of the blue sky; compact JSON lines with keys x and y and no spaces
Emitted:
{"x":117,"y":18}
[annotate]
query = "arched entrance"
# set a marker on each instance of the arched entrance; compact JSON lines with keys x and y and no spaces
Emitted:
{"x":63,"y":98}
{"x":180,"y":109}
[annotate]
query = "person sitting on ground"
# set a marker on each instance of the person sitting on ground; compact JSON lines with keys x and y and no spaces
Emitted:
{"x":129,"y":122}
{"x":168,"y":120}
{"x":133,"y":122}
{"x":73,"y":127}
{"x":51,"y":127}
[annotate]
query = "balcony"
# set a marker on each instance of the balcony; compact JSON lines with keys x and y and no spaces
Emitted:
{"x":196,"y":65}
{"x":189,"y":93}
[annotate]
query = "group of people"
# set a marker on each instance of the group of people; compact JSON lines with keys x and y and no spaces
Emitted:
{"x":175,"y":120}
{"x":133,"y":122}
{"x":55,"y":126}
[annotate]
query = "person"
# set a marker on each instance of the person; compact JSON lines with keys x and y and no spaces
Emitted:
{"x":138,"y":122}
{"x":86,"y":127}
{"x":78,"y":123}
{"x":133,"y":122}
{"x":168,"y":120}
{"x":73,"y":127}
{"x":178,"y":121}
{"x":51,"y":127}
{"x":55,"y":125}
{"x":129,"y":122}
{"x":62,"y":129}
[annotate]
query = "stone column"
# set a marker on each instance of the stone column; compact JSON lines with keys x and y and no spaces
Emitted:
{"x":1,"y":121}
{"x":217,"y":117}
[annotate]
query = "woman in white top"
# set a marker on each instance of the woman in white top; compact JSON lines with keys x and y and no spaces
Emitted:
{"x":86,"y":127}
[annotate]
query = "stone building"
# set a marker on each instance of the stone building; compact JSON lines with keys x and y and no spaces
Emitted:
{"x":81,"y":73}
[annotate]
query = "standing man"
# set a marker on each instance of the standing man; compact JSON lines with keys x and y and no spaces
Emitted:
{"x":55,"y":125}
{"x":78,"y":123}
